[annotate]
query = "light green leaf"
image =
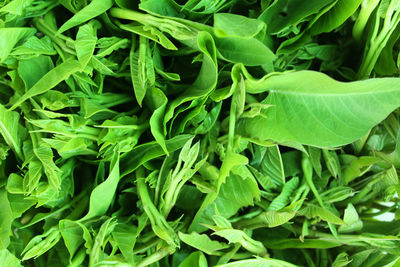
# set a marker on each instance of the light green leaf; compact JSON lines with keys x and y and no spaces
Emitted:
{"x":103,"y":194}
{"x":271,"y":164}
{"x":332,"y":162}
{"x":259,"y":262}
{"x":238,"y":236}
{"x":8,"y":259}
{"x":9,"y":37}
{"x":202,"y":242}
{"x":85,"y":43}
{"x":284,"y":13}
{"x":151,"y":33}
{"x":195,"y":259}
{"x":40,"y":244}
{"x":250,"y":52}
{"x":284,"y":197}
{"x":50,"y":80}
{"x":228,"y":201}
{"x":72,"y":235}
{"x":358,"y":167}
{"x":53,"y":173}
{"x":335,"y":17}
{"x":158,"y":99}
{"x":125,"y":237}
{"x":337,"y":113}
{"x":6,"y":218}
{"x":276,"y":218}
{"x":141,"y":154}
{"x":16,"y":7}
{"x":312,"y":211}
{"x":33,"y":69}
{"x":205,"y":81}
{"x":92,"y":10}
{"x":351,"y":220}
{"x":341,"y":260}
{"x":226,"y":24}
{"x":11,"y":131}
{"x":142,"y":70}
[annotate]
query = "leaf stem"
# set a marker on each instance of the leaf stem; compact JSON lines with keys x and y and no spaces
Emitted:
{"x":155,"y":257}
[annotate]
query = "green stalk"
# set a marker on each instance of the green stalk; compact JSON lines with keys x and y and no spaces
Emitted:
{"x":61,"y":40}
{"x":159,"y":224}
{"x":155,"y":257}
{"x":378,"y":41}
{"x":367,"y":7}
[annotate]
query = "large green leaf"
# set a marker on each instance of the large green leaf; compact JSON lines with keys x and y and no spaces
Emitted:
{"x":311,"y":108}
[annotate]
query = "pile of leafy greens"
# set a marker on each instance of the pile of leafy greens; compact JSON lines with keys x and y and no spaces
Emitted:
{"x":199,"y":133}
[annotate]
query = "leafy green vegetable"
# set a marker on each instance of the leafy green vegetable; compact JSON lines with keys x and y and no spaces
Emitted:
{"x":199,"y":133}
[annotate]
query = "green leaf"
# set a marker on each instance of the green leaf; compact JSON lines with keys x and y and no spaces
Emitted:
{"x":141,"y":154}
{"x":125,"y":238}
{"x":92,"y":10}
{"x":336,"y":16}
{"x":226,"y":24}
{"x":337,"y":112}
{"x":151,"y":33}
{"x":8,"y":259}
{"x":11,"y":131}
{"x":238,"y":236}
{"x":32,"y":70}
{"x":284,"y":13}
{"x":228,"y":201}
{"x":250,"y":52}
{"x":332,"y":162}
{"x":6,"y":218}
{"x":315,"y":158}
{"x":142,"y":70}
{"x":358,"y":167}
{"x":34,"y":46}
{"x":205,"y":81}
{"x":103,"y":194}
{"x":341,"y":260}
{"x":312,"y":211}
{"x":202,"y":242}
{"x":101,"y":240}
{"x":53,"y":173}
{"x":50,"y":80}
{"x":283,"y":198}
{"x":271,"y":164}
{"x":9,"y":37}
{"x":195,"y":259}
{"x":259,"y":262}
{"x":85,"y":43}
{"x":351,"y":220}
{"x":276,"y":218}
{"x":16,"y":7}
{"x":40,"y":244}
{"x":72,"y":235}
